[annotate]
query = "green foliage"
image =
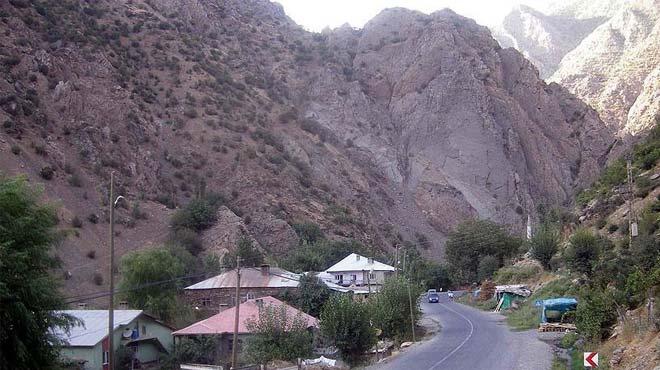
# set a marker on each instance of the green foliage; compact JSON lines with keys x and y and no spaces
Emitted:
{"x":346,"y":323}
{"x":487,"y":267}
{"x":321,"y":254}
{"x":471,"y":241}
{"x":197,"y":215}
{"x":140,"y":269}
{"x":595,"y":314}
{"x":308,"y":233}
{"x":390,"y":308}
{"x":583,"y":251}
{"x":528,"y":316}
{"x":28,"y":293}
{"x":544,"y":244}
{"x":250,"y":255}
{"x":568,"y":340}
{"x":515,"y":274}
{"x":278,"y":336}
{"x":187,"y":239}
{"x":197,"y":350}
{"x":312,"y":295}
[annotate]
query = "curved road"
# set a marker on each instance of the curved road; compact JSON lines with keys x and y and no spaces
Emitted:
{"x":471,"y":339}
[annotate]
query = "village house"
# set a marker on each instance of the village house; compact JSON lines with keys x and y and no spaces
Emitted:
{"x":221,"y":325}
{"x":87,"y":344}
{"x":219,"y":292}
{"x":357,"y":270}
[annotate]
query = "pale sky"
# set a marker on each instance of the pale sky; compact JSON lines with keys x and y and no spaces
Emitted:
{"x":314,"y":15}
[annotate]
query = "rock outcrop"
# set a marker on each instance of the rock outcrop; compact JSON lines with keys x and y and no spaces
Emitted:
{"x":395,"y":132}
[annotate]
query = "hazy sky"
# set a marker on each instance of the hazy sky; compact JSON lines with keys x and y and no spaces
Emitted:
{"x":315,"y":15}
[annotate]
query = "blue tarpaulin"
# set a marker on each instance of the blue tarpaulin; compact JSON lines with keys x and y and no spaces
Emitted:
{"x":561,"y":305}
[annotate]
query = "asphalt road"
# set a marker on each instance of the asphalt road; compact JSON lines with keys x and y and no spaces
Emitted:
{"x":471,"y":339}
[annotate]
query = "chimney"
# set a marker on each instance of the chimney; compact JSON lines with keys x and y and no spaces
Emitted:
{"x":370,"y":261}
{"x":259,"y":302}
{"x":265,"y":270}
{"x":357,"y":257}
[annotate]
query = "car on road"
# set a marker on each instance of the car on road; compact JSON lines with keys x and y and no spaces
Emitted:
{"x":431,"y":291}
{"x":433,"y":297}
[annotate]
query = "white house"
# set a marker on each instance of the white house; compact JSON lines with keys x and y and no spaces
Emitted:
{"x":359,"y":270}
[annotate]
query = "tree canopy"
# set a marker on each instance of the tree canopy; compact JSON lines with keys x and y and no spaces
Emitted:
{"x":140,"y":270}
{"x":28,"y":293}
{"x":471,"y":241}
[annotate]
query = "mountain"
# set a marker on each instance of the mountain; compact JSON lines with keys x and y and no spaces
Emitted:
{"x":544,"y":39}
{"x":604,"y":52}
{"x":394,"y":132}
{"x":616,"y":69}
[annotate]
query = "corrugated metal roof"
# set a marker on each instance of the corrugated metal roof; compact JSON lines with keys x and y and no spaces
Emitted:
{"x":95,"y":325}
{"x":356,"y":262}
{"x":224,"y":321}
{"x":251,"y":277}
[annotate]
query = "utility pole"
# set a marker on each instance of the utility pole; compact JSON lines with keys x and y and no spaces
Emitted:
{"x":632,"y":221}
{"x":412,"y":317}
{"x":234,"y":364}
{"x":396,"y":261}
{"x":112,"y":273}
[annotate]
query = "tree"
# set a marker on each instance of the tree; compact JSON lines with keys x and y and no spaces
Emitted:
{"x":346,"y":323}
{"x":390,"y":308}
{"x":487,"y":267}
{"x":309,"y":233}
{"x":140,"y":270}
{"x":199,"y":349}
{"x":312,"y":295}
{"x":472,"y":240}
{"x":29,"y":295}
{"x":277,"y":335}
{"x":595,"y":314}
{"x":582,"y":252}
{"x":250,"y":256}
{"x":544,"y":244}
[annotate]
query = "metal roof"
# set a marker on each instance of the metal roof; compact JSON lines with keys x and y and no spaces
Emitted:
{"x":95,"y":325}
{"x":251,"y":277}
{"x":356,"y":262}
{"x":224,"y":321}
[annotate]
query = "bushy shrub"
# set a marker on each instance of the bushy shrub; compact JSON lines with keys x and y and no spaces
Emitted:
{"x":487,"y":267}
{"x":197,"y":215}
{"x":346,"y":323}
{"x":595,"y":314}
{"x":47,"y":173}
{"x":277,"y":335}
{"x":76,"y":222}
{"x":544,"y":244}
{"x":390,"y":308}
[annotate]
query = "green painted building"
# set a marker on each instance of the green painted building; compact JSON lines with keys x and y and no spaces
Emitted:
{"x":145,"y":338}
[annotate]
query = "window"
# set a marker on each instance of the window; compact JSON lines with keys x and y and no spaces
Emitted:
{"x":206,"y":302}
{"x":144,"y":330}
{"x":339,"y":278}
{"x":105,"y":357}
{"x":372,"y":276}
{"x":250,"y":295}
{"x":353,"y":277}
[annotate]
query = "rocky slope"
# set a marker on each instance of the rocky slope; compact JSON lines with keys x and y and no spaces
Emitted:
{"x":605,"y":52}
{"x":544,"y":39}
{"x":616,"y":69}
{"x":397,"y":131}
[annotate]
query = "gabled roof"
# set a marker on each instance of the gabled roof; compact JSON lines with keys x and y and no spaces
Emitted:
{"x":95,"y":325}
{"x":251,"y":277}
{"x":356,"y":262}
{"x":224,"y":321}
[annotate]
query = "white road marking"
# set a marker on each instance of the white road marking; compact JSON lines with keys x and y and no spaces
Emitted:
{"x":460,"y":345}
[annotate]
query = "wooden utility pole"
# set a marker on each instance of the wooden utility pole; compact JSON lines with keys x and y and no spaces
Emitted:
{"x":396,"y":261}
{"x":632,"y":221}
{"x":112,"y":273}
{"x":412,"y":317}
{"x":234,"y":364}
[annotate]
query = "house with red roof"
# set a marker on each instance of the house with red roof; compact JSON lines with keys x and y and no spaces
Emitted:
{"x":221,"y":325}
